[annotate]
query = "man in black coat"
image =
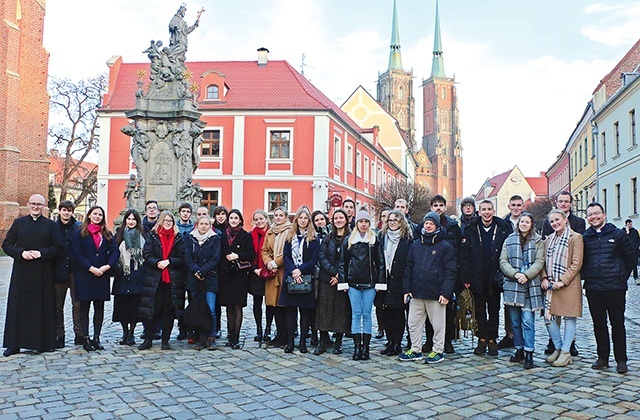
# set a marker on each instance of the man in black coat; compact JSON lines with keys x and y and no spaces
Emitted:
{"x":63,"y":277}
{"x":33,"y":241}
{"x":635,"y":243}
{"x":608,"y":260}
{"x":479,"y":265}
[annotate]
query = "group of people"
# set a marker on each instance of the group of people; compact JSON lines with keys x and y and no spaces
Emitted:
{"x":318,"y":276}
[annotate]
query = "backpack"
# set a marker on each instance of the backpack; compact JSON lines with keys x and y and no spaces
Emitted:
{"x":465,"y":318}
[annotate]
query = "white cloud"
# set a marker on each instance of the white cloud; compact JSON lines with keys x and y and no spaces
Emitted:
{"x":597,"y":8}
{"x":617,"y":25}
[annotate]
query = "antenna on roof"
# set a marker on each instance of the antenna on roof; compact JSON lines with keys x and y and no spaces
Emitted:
{"x":304,"y":64}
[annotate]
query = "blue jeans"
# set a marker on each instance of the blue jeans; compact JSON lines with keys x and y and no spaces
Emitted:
{"x":553,"y":326}
{"x":361,"y":308}
{"x":524,"y":328}
{"x":211,"y":302}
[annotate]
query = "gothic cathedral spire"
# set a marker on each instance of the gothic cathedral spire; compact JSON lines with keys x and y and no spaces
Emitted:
{"x":395,"y":59}
{"x":437,"y":65}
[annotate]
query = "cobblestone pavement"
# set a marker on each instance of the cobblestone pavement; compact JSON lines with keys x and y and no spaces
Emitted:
{"x":123,"y":382}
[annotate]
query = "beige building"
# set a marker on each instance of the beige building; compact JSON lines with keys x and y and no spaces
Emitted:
{"x":581,"y":149}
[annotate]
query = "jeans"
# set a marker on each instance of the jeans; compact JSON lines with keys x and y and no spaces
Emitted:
{"x":361,"y":308}
{"x":523,"y":324}
{"x":211,"y":302}
{"x":563,"y":343}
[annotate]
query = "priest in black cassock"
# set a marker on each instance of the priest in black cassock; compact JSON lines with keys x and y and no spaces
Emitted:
{"x":32,"y":241}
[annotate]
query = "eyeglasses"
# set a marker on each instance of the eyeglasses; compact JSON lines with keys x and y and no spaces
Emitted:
{"x":36,"y":204}
{"x":595,"y":213}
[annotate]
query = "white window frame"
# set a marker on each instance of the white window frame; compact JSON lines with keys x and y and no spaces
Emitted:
{"x":277,"y":190}
{"x":358,"y":163}
{"x":366,"y":169}
{"x":268,"y":144}
{"x":349,"y":158}
{"x":214,"y":158}
{"x":337,"y":150}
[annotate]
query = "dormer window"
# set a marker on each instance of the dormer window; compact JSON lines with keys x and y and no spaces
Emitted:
{"x":212,"y":92}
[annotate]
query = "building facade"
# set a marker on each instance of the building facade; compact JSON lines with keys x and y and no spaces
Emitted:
{"x":279,"y":141}
{"x":24,"y":107}
{"x":581,"y":149}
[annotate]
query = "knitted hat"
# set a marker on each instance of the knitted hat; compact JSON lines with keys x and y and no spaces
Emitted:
{"x":363,"y":214}
{"x":433,"y":216}
{"x":467,"y":200}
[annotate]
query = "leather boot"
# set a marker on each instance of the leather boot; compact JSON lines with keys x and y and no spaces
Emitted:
{"x":337,"y":345}
{"x":365,"y":346}
{"x":303,"y":344}
{"x":202,"y":344}
{"x":87,"y":345}
{"x":60,"y":342}
{"x":357,"y":343}
{"x":146,"y":344}
{"x":397,"y":349}
{"x":387,"y":348}
{"x":528,"y":360}
{"x":322,"y":344}
{"x":288,"y":348}
{"x":258,"y":336}
{"x":96,"y":343}
{"x":519,"y":357}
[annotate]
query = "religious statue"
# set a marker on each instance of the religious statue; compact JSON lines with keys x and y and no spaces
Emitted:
{"x":178,"y":29}
{"x":131,"y":189}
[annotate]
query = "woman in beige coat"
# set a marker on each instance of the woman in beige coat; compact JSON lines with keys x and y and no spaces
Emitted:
{"x":272,"y":256}
{"x":561,"y":280}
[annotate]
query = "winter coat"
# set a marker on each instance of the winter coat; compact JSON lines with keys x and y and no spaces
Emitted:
{"x":202,"y":259}
{"x":234,"y":283}
{"x":394,"y":296}
{"x":62,"y":263}
{"x":333,"y":308}
{"x":130,"y":284}
{"x":431,"y":268}
{"x":273,"y":286}
{"x":567,"y":301}
{"x":308,"y":266}
{"x":152,"y":255}
{"x":609,"y":258}
{"x":471,"y":256}
{"x":361,"y":265}
{"x":84,"y":255}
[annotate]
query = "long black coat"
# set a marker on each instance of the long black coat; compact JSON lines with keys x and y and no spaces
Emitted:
{"x":333,"y":311}
{"x":152,"y":255}
{"x":130,"y":284}
{"x":308,"y":266}
{"x":202,"y":259}
{"x":394,"y":296}
{"x":31,"y":321}
{"x":234,"y":284}
{"x":84,"y":255}
{"x":62,"y":263}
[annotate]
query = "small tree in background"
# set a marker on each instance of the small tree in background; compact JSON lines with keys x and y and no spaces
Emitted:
{"x":539,"y":209}
{"x":417,"y":196}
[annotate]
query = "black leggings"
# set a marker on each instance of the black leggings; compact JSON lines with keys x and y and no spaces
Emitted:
{"x":234,"y":321}
{"x":306,"y":315}
{"x":98,"y":317}
{"x":257,"y":312}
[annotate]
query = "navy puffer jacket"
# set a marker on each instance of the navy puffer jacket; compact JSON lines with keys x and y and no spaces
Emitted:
{"x":609,"y":258}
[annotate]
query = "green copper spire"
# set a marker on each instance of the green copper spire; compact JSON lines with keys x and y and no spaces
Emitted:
{"x":395,"y":60}
{"x":437,"y":65}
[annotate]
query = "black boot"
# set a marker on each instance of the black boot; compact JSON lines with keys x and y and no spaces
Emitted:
{"x":365,"y":346}
{"x":87,"y":345}
{"x":357,"y":346}
{"x":60,"y":342}
{"x":396,"y":350}
{"x":266,"y":337}
{"x":337,"y":345}
{"x":387,"y":348}
{"x":146,"y":344}
{"x":550,"y":348}
{"x":303,"y":344}
{"x":518,"y":357}
{"x":528,"y":360}
{"x":96,"y":343}
{"x":322,"y":344}
{"x":258,"y":336}
{"x":290,"y":346}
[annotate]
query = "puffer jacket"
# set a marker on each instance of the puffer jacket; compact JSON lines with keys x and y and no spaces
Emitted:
{"x":609,"y":258}
{"x":431,"y":268}
{"x":360,"y":265}
{"x":152,"y":253}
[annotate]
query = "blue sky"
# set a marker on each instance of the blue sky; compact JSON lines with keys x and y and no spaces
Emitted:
{"x":525,"y":69}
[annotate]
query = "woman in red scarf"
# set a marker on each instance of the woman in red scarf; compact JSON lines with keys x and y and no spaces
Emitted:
{"x":163,"y":291}
{"x":93,"y":252}
{"x":256,"y":283}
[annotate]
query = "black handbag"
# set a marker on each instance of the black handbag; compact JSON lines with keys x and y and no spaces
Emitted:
{"x":197,"y":316}
{"x":299,"y":288}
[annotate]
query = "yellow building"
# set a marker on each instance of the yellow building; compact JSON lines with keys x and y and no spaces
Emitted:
{"x":368,"y":113}
{"x":582,"y":163}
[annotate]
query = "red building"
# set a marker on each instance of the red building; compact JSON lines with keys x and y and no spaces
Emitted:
{"x":24,"y":107}
{"x":271,"y":138}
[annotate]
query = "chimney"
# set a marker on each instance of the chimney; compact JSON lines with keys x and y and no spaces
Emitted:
{"x":262,"y":56}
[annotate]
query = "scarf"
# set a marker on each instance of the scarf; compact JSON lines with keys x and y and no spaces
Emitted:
{"x":131,"y":250}
{"x":167,"y":239}
{"x":94,"y":230}
{"x":297,"y":247}
{"x":429,"y":238}
{"x":392,"y":239}
{"x":527,"y":296}
{"x":556,"y":263}
{"x":281,"y":237}
{"x":202,"y":238}
{"x":232,"y":232}
{"x":258,"y":236}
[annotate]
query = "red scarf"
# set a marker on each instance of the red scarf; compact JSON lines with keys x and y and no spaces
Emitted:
{"x":232,"y":232}
{"x":95,"y":230}
{"x":167,"y":239}
{"x":258,"y":236}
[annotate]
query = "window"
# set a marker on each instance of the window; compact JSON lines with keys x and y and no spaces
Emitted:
{"x":586,"y":160}
{"x":373,"y":172}
{"x":400,"y":92}
{"x":210,"y":146}
{"x":349,"y":158}
{"x":209,"y":200}
{"x":336,"y":151}
{"x":212,"y":92}
{"x":604,"y":146}
{"x":358,"y":164}
{"x":366,"y":168}
{"x":575,"y":163}
{"x":632,"y":127}
{"x":616,"y":137}
{"x":593,"y":146}
{"x":279,"y":144}
{"x":444,"y":92}
{"x":579,"y":163}
{"x":445,"y":168}
{"x":277,"y":199}
{"x":617,"y":191}
{"x":604,"y":199}
{"x":634,"y":195}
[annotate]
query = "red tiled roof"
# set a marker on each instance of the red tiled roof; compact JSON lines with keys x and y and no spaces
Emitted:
{"x":56,"y":166}
{"x":539,"y":185}
{"x":496,"y":182}
{"x":627,"y":64}
{"x":276,"y":86}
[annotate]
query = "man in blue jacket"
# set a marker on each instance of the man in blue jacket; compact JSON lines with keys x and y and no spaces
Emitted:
{"x":608,"y":260}
{"x":428,"y":282}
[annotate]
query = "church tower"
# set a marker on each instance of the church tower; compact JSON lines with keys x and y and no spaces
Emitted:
{"x":395,"y":86}
{"x":440,"y":159}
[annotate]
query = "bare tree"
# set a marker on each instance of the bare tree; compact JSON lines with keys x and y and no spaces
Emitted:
{"x":75,"y":132}
{"x":417,"y":196}
{"x":539,"y":209}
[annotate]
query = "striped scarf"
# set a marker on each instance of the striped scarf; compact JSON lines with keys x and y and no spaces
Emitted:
{"x":527,"y":296}
{"x":556,"y":263}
